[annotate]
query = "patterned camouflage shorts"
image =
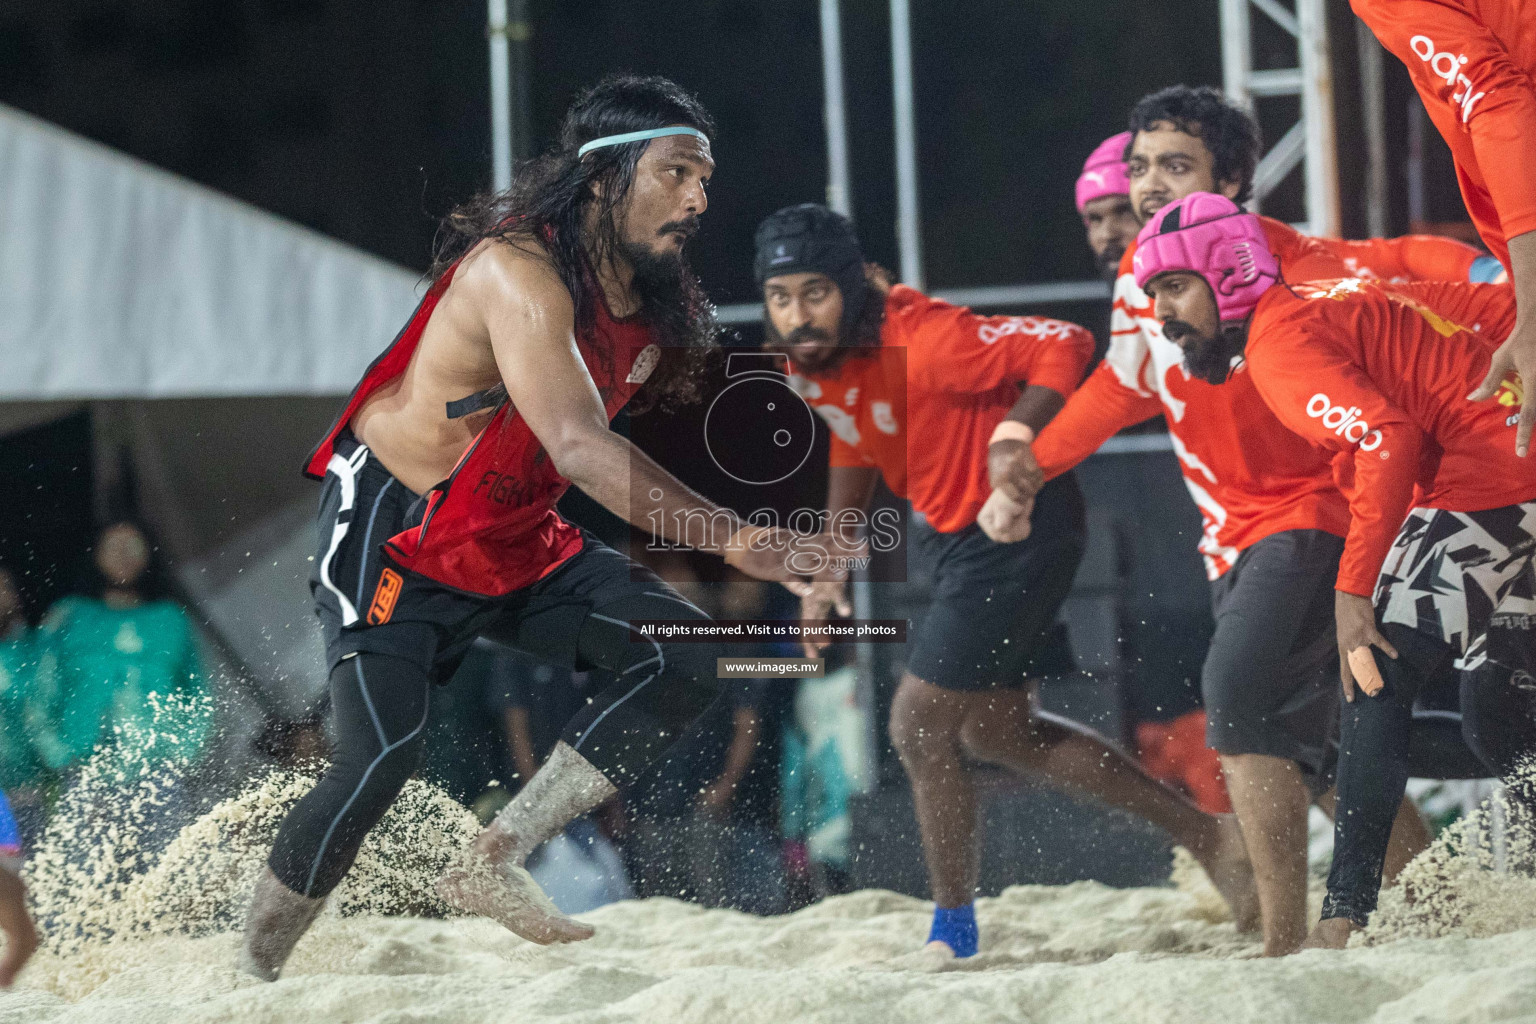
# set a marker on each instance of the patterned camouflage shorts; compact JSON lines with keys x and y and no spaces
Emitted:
{"x":1468,"y":579}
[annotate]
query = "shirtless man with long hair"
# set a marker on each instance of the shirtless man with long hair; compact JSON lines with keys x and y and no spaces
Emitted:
{"x":552,"y":305}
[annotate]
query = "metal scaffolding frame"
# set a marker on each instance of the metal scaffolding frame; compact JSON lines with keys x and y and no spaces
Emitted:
{"x":1311,"y":138}
{"x":508,"y":89}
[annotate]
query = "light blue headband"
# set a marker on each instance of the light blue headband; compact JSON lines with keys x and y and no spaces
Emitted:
{"x":649,"y":133}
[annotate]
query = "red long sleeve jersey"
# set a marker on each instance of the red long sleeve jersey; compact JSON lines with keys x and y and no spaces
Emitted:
{"x":1248,"y":474}
{"x":1380,"y":374}
{"x":1474,"y":65}
{"x":922,"y":406}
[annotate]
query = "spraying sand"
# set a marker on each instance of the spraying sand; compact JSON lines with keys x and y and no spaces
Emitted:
{"x":162,"y":947}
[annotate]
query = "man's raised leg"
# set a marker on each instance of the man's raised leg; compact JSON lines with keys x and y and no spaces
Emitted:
{"x":489,"y":880}
{"x":659,"y":688}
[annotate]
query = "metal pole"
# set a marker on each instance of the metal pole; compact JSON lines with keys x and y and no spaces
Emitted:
{"x":519,"y":32}
{"x":501,"y":98}
{"x":1373,"y":106}
{"x":1236,"y":52}
{"x":840,"y":199}
{"x":839,"y":196}
{"x":1322,"y":171}
{"x":909,"y":240}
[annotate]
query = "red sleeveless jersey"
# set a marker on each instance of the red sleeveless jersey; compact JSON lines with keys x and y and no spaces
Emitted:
{"x":491,"y":527}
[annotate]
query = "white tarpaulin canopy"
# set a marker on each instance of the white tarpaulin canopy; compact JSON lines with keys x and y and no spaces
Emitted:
{"x":119,"y":280}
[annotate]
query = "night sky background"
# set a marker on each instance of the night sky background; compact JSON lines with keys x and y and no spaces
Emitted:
{"x":368,"y":121}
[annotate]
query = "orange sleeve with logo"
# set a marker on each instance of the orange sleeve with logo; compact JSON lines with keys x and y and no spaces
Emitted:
{"x":965,"y":353}
{"x":1491,"y":96}
{"x":1301,"y":369}
{"x":1097,"y":411}
{"x":1409,"y":258}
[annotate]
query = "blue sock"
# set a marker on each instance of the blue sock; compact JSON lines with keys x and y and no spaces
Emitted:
{"x":956,"y":928}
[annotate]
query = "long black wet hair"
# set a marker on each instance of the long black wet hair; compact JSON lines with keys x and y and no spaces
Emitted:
{"x":545,"y":210}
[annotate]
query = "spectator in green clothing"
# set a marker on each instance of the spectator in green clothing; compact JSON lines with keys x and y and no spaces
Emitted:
{"x":121,"y":665}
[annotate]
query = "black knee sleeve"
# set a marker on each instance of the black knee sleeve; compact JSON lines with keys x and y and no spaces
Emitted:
{"x":1373,"y":771}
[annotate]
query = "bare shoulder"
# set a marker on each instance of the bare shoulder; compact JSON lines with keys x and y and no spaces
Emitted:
{"x":514,"y":280}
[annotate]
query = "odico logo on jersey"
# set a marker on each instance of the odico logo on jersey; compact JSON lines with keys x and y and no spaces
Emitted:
{"x":1344,"y":422}
{"x":1447,"y":66}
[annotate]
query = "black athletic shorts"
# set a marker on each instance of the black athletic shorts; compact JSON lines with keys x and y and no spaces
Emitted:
{"x":427,"y":623}
{"x":994,"y":605}
{"x":1271,"y":676}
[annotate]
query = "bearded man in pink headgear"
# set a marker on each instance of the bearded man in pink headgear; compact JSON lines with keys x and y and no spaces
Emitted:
{"x":1104,"y":203}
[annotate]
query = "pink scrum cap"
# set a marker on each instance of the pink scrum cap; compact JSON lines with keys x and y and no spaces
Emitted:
{"x":1211,"y":236}
{"x":1104,"y":171}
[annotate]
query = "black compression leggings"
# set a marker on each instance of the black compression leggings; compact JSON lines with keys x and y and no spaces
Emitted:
{"x":380,"y":703}
{"x":1498,"y":723}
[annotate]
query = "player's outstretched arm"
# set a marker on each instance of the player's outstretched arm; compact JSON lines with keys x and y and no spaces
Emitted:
{"x":1491,"y":98}
{"x":531,"y":321}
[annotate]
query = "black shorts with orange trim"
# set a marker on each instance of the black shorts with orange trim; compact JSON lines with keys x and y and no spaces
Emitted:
{"x":367,"y":605}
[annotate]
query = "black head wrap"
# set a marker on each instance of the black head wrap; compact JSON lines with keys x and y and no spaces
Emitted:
{"x":811,"y":238}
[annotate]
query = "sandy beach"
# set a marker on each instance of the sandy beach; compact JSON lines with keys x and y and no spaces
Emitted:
{"x":1063,"y":954}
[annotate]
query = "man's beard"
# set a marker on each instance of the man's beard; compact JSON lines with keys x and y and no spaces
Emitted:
{"x":670,"y":295}
{"x":825,"y":358}
{"x":1108,"y":262}
{"x":1207,"y":357}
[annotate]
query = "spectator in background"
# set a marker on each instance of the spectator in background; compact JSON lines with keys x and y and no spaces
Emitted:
{"x":120,"y":666}
{"x":293,"y":743}
{"x":826,"y":759}
{"x":23,"y":778}
{"x":533,"y":700}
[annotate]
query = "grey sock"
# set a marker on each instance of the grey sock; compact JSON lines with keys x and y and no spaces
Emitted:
{"x":566,"y":786}
{"x":277,"y":919}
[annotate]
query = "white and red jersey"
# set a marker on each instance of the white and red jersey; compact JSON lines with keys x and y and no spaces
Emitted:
{"x":1250,"y":476}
